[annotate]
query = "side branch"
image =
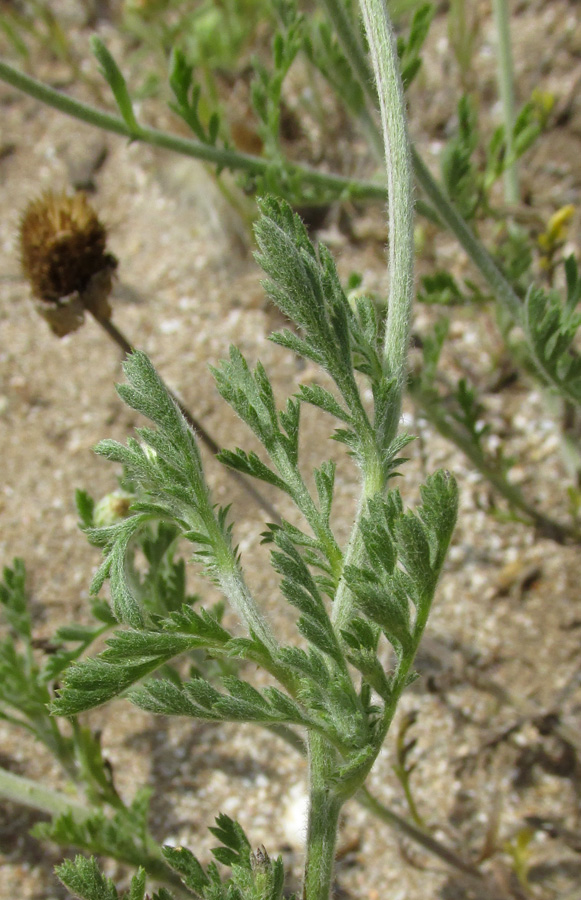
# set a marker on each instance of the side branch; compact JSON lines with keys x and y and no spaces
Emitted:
{"x":223,"y":158}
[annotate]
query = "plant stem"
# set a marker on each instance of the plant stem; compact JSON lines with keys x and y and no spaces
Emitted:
{"x":378,"y":809}
{"x":401,"y":255}
{"x":445,"y":211}
{"x":343,"y":602}
{"x":468,"y":240}
{"x":473,"y":247}
{"x":400,"y":201}
{"x":291,"y":475}
{"x":324,"y":809}
{"x":433,"y":411}
{"x":443,"y":208}
{"x":18,"y":789}
{"x":22,"y":790}
{"x":337,"y":186}
{"x":232,"y":583}
{"x":345,"y":31}
{"x":119,"y":338}
{"x":371,"y":803}
{"x":224,"y":158}
{"x":506,"y":90}
{"x":31,"y":793}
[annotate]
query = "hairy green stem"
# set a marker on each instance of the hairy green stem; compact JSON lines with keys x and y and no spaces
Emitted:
{"x":324,"y":809}
{"x":400,"y":677}
{"x":230,"y":578}
{"x":400,"y":202}
{"x":401,"y":259}
{"x":378,"y":809}
{"x":232,"y":583}
{"x":374,"y":483}
{"x":324,"y":803}
{"x":305,"y":503}
{"x":506,"y":297}
{"x":442,"y":206}
{"x":506,"y":90}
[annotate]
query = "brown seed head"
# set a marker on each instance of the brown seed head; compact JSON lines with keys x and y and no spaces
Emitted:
{"x":62,"y":245}
{"x":63,"y":254}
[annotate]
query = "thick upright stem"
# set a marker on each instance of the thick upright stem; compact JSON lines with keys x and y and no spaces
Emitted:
{"x":391,"y":818}
{"x":399,"y":185}
{"x":401,"y":256}
{"x":324,"y":809}
{"x":506,"y":90}
{"x":442,"y":206}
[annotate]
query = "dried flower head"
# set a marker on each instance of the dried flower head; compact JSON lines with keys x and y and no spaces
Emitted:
{"x":63,"y":248}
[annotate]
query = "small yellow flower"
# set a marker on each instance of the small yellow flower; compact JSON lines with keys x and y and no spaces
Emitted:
{"x":556,"y":231}
{"x":554,"y":236}
{"x":544,"y":102}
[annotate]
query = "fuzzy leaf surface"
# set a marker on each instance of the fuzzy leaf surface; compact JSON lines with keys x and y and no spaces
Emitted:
{"x":131,"y":656}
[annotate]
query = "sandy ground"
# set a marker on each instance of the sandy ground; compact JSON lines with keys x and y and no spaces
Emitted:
{"x":506,"y":617}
